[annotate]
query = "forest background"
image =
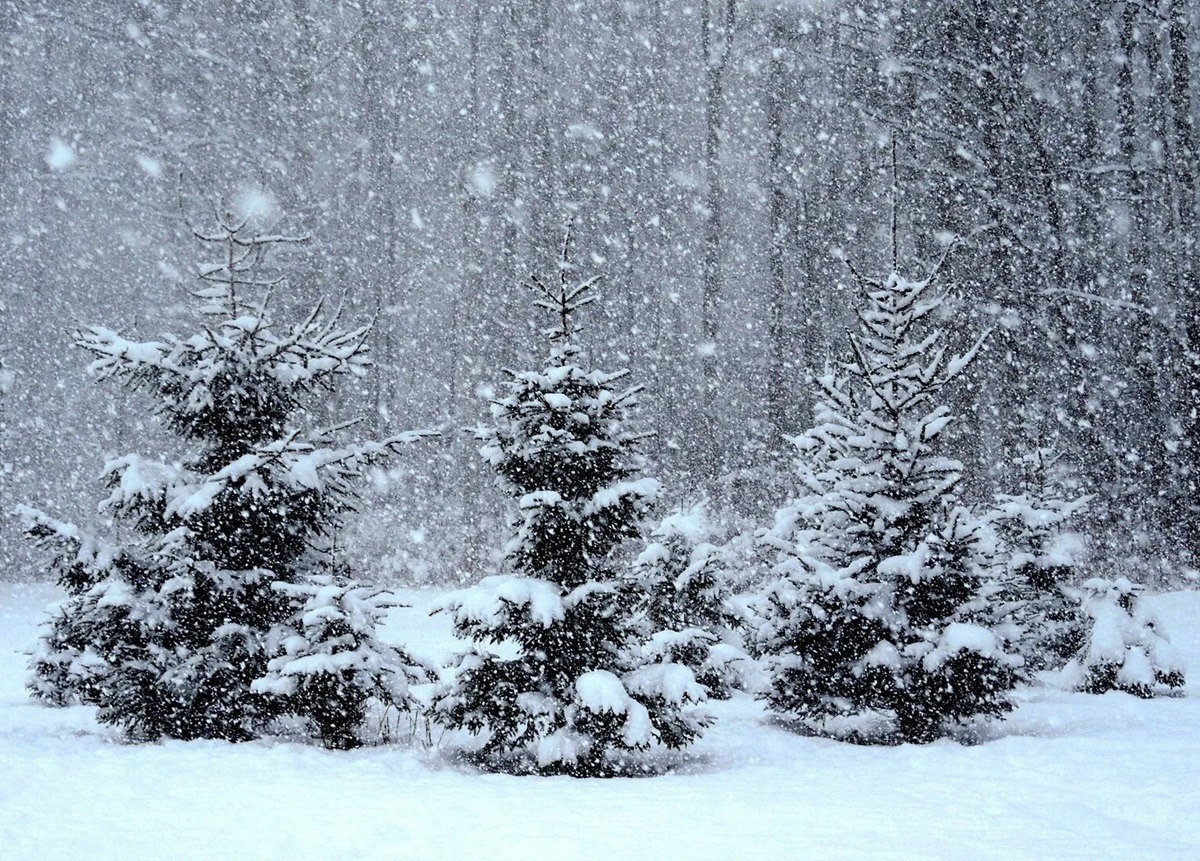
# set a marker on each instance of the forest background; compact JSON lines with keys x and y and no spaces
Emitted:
{"x":719,"y":160}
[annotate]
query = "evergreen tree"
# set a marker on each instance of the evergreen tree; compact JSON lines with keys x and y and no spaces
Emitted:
{"x":71,"y":659}
{"x":1125,"y":647}
{"x":579,"y":697}
{"x":681,"y":591}
{"x":190,"y":625}
{"x":329,"y":665}
{"x":1036,"y":601}
{"x":872,"y":628}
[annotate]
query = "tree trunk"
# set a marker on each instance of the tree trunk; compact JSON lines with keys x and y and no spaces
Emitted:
{"x":777,"y":191}
{"x":715,"y":54}
{"x":1182,"y":167}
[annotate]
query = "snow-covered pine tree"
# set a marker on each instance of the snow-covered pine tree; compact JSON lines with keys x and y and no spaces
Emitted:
{"x":871,"y":630}
{"x":1036,"y":602}
{"x":681,"y":592}
{"x":579,"y":697}
{"x":329,"y":664}
{"x":1125,"y":647}
{"x":67,"y":667}
{"x":190,"y":624}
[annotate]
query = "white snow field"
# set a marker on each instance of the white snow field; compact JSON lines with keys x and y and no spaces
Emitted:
{"x":1067,"y":776}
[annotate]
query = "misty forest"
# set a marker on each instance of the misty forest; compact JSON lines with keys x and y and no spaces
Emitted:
{"x":791,"y":393}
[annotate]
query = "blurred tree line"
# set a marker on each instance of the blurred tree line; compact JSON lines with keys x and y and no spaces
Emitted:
{"x":720,"y":159}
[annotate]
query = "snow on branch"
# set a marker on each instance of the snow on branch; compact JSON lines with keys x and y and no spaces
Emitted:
{"x":294,"y":464}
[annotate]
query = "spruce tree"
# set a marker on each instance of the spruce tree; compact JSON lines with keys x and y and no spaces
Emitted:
{"x":681,"y":591}
{"x":329,"y":665}
{"x":1125,"y":648}
{"x":579,"y":697}
{"x":872,"y":628}
{"x":1037,"y":603}
{"x":221,"y":607}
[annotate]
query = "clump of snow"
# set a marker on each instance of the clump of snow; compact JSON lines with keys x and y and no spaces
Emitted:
{"x":135,"y":478}
{"x":689,"y":524}
{"x":151,"y":166}
{"x":257,"y":206}
{"x":602,"y":691}
{"x":909,"y":566}
{"x":565,"y":746}
{"x":60,"y":155}
{"x":491,"y":601}
{"x":674,"y":683}
{"x":884,"y":654}
{"x":614,"y":494}
{"x":964,"y":637}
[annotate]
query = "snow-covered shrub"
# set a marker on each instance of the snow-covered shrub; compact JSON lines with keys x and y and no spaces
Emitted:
{"x":1125,"y":648}
{"x":875,"y":627}
{"x":680,"y":588}
{"x":329,"y":666}
{"x":579,"y":697}
{"x":168,"y":628}
{"x":1035,"y":603}
{"x":66,"y":667}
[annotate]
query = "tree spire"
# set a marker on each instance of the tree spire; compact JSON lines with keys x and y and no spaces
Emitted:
{"x":563,"y":298}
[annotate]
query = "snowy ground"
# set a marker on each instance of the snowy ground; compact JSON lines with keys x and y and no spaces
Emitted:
{"x":1068,"y":776}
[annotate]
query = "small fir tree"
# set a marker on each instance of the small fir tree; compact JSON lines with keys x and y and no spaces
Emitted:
{"x":578,"y":698}
{"x":1036,"y":602}
{"x":1125,"y":647}
{"x":71,"y":659}
{"x":191,"y":625}
{"x":681,"y":592}
{"x":872,"y":629}
{"x":329,"y":664}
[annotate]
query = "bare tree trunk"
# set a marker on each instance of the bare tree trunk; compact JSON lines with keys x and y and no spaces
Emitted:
{"x":778,"y":180}
{"x":546,"y":215}
{"x":510,"y":146}
{"x":1182,"y":163}
{"x":715,"y":50}
{"x":1145,"y":431}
